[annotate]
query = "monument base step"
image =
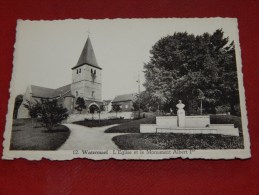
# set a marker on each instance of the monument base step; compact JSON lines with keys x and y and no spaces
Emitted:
{"x":186,"y":130}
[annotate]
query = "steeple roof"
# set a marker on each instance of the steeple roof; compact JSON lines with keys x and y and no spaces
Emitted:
{"x":87,"y":56}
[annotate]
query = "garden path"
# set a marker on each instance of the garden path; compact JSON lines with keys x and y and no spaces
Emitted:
{"x":88,"y":138}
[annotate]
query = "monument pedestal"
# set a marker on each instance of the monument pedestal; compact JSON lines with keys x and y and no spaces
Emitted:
{"x":180,"y":114}
{"x":181,"y":118}
{"x":187,"y":125}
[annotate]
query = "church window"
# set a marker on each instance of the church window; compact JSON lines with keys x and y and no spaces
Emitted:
{"x":94,"y":71}
{"x":79,"y":70}
{"x":76,"y":71}
{"x":76,"y":93}
{"x":92,"y":93}
{"x":91,"y":71}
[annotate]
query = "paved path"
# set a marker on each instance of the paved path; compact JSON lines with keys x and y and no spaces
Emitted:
{"x":82,"y":137}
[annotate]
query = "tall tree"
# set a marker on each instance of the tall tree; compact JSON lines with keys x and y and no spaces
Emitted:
{"x":183,"y":65}
{"x":93,"y":108}
{"x":80,"y":104}
{"x":48,"y":112}
{"x":33,"y":109}
{"x":116,"y":108}
{"x":100,"y":109}
{"x":142,"y":101}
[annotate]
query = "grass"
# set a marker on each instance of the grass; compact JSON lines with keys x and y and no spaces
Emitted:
{"x":132,"y":126}
{"x":101,"y":123}
{"x":155,"y":141}
{"x":134,"y":142}
{"x":176,"y":141}
{"x":227,"y":119}
{"x":24,"y":137}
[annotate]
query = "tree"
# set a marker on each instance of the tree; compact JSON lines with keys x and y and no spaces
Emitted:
{"x":142,"y":101}
{"x":116,"y":108}
{"x":182,"y":64}
{"x":48,"y":112}
{"x":93,"y":108}
{"x":17,"y":104}
{"x":230,"y":87}
{"x":33,"y":109}
{"x":100,"y":109}
{"x":80,"y":104}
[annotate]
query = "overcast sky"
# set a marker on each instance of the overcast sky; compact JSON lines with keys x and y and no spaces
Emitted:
{"x":45,"y":51}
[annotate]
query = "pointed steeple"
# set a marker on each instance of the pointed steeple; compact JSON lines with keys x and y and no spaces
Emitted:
{"x":87,"y":56}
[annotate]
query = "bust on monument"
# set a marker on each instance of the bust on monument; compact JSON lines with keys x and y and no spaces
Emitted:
{"x":180,"y":114}
{"x":180,"y":105}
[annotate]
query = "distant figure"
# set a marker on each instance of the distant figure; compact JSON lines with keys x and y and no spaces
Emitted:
{"x":171,"y":111}
{"x":180,"y":114}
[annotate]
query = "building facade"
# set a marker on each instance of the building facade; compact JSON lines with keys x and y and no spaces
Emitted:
{"x":125,"y":102}
{"x":86,"y":83}
{"x":87,"y":77}
{"x":107,"y":105}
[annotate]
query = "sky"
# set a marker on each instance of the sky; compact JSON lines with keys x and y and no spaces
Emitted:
{"x":45,"y":51}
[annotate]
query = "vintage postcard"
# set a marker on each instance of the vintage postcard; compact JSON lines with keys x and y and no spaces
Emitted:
{"x":147,"y":89}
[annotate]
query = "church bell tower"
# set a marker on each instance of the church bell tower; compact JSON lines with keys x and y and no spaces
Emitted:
{"x":87,"y":76}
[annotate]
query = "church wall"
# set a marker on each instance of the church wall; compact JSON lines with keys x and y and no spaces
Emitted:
{"x":98,"y":74}
{"x":22,"y":111}
{"x":86,"y":86}
{"x":84,"y":73}
{"x":68,"y":103}
{"x":93,"y":87}
{"x":77,"y":89}
{"x":79,"y":74}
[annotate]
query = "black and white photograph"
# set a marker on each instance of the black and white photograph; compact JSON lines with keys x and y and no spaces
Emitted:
{"x":147,"y":89}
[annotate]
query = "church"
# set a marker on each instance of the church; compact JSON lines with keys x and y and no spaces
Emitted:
{"x":86,"y":83}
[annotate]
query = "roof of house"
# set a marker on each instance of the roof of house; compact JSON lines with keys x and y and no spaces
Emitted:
{"x":124,"y":97}
{"x":44,"y":92}
{"x":87,"y":56}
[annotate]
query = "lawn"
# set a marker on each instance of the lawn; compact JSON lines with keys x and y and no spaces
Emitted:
{"x":101,"y":123}
{"x":24,"y":137}
{"x":177,"y":140}
{"x":132,"y":126}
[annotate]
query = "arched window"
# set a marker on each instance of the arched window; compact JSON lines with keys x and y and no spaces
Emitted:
{"x":94,"y":71}
{"x":76,"y":93}
{"x":91,"y":70}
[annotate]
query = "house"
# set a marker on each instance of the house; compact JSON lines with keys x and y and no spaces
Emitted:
{"x":107,"y":105}
{"x":125,"y":101}
{"x":86,"y":83}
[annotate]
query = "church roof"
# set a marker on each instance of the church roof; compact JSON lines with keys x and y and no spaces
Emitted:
{"x":87,"y":56}
{"x":124,"y":97}
{"x":62,"y":90}
{"x":43,"y":92}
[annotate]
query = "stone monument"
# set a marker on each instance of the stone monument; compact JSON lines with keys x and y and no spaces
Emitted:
{"x":180,"y":114}
{"x":199,"y":124}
